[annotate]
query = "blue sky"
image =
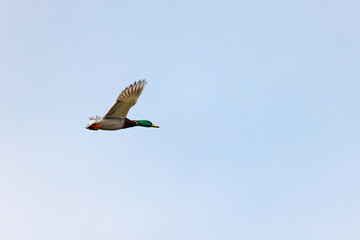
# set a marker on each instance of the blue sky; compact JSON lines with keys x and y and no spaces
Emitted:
{"x":257,"y":103}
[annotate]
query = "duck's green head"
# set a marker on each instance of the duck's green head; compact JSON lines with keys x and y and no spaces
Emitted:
{"x":146,"y":123}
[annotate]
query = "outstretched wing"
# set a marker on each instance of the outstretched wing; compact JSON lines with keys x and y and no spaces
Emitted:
{"x":126,"y":100}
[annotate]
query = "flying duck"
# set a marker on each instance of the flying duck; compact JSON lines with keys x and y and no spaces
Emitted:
{"x":115,"y":118}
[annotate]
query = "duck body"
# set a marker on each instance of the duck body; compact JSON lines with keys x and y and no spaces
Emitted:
{"x":112,"y":123}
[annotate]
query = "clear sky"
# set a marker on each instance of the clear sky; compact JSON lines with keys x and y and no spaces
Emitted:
{"x":257,"y":103}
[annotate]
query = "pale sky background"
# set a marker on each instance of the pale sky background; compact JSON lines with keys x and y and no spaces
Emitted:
{"x":258,"y":107}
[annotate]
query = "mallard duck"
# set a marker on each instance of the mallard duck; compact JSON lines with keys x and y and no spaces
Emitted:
{"x":116,"y":118}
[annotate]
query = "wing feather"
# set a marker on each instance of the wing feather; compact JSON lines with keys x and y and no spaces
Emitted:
{"x":126,"y":100}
